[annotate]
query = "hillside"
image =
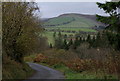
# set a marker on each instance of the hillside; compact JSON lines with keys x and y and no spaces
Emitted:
{"x":72,"y":22}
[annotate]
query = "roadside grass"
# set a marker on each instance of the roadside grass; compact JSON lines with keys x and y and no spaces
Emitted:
{"x":13,"y":70}
{"x":29,"y":58}
{"x":70,"y":74}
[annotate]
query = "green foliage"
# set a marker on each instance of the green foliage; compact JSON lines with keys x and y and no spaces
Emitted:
{"x":113,"y":23}
{"x":88,"y":38}
{"x":59,"y":41}
{"x":65,"y":36}
{"x":76,"y":43}
{"x":65,"y":45}
{"x":109,"y":7}
{"x":54,"y":34}
{"x":70,"y":43}
{"x":114,"y":40}
{"x":20,"y":29}
{"x":51,"y":46}
{"x":59,"y":34}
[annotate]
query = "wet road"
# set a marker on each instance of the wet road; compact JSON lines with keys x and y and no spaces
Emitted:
{"x":43,"y":72}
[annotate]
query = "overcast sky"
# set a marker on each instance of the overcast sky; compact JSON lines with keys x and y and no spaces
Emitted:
{"x":69,"y":0}
{"x":54,"y":9}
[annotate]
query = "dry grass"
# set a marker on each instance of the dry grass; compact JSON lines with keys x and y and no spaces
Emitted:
{"x":104,"y":62}
{"x":14,"y":70}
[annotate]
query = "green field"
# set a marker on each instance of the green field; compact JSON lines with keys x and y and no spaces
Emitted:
{"x":57,"y":20}
{"x":69,"y":24}
{"x":79,"y":21}
{"x":77,"y":29}
{"x":49,"y":36}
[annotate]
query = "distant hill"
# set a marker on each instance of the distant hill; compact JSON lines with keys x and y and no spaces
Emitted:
{"x":92,"y":17}
{"x":76,"y":22}
{"x":44,"y":19}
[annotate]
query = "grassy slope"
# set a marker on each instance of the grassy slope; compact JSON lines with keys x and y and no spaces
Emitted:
{"x":80,"y":23}
{"x":50,"y":38}
{"x":57,"y":20}
{"x":14,"y":70}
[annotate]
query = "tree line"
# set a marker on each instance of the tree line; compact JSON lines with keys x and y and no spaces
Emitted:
{"x":109,"y":37}
{"x":103,"y":39}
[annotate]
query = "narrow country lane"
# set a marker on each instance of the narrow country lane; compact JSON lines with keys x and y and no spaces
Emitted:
{"x":43,"y":72}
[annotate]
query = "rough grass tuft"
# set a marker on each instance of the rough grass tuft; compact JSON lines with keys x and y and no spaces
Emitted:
{"x":14,"y":70}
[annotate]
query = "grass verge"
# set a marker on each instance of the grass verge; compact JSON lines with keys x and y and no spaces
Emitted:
{"x":71,"y":74}
{"x":13,"y":70}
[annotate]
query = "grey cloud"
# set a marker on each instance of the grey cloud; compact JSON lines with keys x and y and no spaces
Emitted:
{"x":53,"y":9}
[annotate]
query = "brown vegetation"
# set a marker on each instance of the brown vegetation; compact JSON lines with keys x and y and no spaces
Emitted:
{"x":96,"y":62}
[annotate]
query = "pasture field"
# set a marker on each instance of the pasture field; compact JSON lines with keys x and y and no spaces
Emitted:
{"x":60,"y":20}
{"x":69,"y":24}
{"x":70,"y":21}
{"x":77,"y":29}
{"x":50,"y":38}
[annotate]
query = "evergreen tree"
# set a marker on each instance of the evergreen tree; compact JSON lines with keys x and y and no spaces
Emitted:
{"x":88,"y":39}
{"x":117,"y":44}
{"x":76,"y":43}
{"x":59,"y":34}
{"x":92,"y":41}
{"x":59,"y":41}
{"x":65,"y":45}
{"x":70,"y":42}
{"x":54,"y":34}
{"x":98,"y":40}
{"x":65,"y":36}
{"x":112,"y":21}
{"x":83,"y":39}
{"x":80,"y":39}
{"x":51,"y":46}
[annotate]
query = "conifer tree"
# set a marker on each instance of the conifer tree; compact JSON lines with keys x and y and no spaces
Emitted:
{"x":80,"y":39}
{"x":65,"y":45}
{"x":88,"y":38}
{"x":112,"y":22}
{"x":51,"y":46}
{"x":54,"y":34}
{"x":76,"y":43}
{"x":70,"y":42}
{"x":59,"y":41}
{"x":65,"y":36}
